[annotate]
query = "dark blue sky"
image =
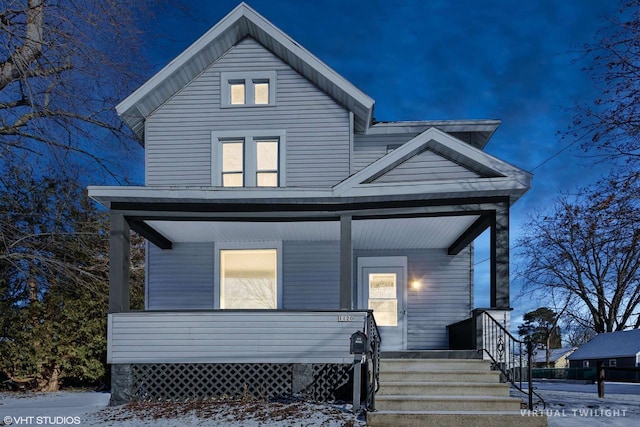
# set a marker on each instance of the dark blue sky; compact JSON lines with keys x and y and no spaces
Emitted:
{"x":448,"y":59}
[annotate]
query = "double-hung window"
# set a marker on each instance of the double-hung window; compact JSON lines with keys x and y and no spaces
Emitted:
{"x":248,"y":159}
{"x":248,"y":89}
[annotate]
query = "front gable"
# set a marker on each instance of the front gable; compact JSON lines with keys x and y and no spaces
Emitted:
{"x":426,"y":165}
{"x":436,"y":163}
{"x":240,"y":23}
{"x":182,"y":134}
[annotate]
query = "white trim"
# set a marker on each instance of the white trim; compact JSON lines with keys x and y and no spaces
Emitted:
{"x":146,"y":274}
{"x":247,"y":77}
{"x":109,"y":337}
{"x":249,"y":137}
{"x":381,"y":262}
{"x":351,"y":166}
{"x":217,"y":246}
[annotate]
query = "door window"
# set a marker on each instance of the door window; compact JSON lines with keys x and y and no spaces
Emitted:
{"x":383,"y":298}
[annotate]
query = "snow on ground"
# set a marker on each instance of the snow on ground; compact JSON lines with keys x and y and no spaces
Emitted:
{"x":568,"y":405}
{"x":578,"y":405}
{"x":90,"y":409}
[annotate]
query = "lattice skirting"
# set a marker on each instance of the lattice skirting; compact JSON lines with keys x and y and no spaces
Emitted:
{"x":191,"y":381}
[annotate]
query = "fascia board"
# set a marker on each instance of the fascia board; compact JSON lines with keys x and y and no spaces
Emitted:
{"x":222,"y":26}
{"x":323,"y":69}
{"x":107,"y":194}
{"x":454,"y":188}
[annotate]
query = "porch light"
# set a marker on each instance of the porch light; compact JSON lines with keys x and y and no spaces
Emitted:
{"x":416,"y":284}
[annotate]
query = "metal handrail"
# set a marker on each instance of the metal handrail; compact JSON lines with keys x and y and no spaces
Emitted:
{"x":501,"y":346}
{"x":373,"y":360}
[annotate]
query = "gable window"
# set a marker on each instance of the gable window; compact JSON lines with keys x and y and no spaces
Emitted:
{"x":248,"y":89}
{"x":248,"y":159}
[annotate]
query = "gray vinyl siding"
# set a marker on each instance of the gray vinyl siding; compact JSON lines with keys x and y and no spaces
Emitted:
{"x":178,"y":134}
{"x":426,"y":166}
{"x":231,"y":337}
{"x":180,"y":278}
{"x":369,"y":148}
{"x":444,"y":298}
{"x":311,"y":275}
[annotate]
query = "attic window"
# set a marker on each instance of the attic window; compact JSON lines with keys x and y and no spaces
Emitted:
{"x":248,"y":89}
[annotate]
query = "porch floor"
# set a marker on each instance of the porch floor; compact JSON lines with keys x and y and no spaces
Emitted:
{"x":431,"y":354}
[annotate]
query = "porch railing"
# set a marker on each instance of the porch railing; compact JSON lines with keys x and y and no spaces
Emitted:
{"x":508,"y":355}
{"x":372,"y":361}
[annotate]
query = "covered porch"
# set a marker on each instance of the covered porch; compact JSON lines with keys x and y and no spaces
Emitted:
{"x":323,"y":246}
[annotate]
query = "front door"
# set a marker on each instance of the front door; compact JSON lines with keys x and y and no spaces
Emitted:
{"x":382,"y":288}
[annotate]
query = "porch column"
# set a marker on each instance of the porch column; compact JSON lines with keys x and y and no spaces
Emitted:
{"x":346,"y":262}
{"x":119,"y":259}
{"x":500,"y":257}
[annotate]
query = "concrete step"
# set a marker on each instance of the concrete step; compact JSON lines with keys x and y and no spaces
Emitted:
{"x":453,"y":419}
{"x":432,"y":354}
{"x":469,"y":376}
{"x":446,"y":403}
{"x":442,"y":389}
{"x":413,"y":365}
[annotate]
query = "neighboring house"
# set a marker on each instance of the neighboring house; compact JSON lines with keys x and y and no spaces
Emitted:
{"x":277,"y":212}
{"x":557,"y":357}
{"x":614,"y":349}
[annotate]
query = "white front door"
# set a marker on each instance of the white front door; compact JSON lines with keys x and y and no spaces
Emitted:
{"x":382,"y":288}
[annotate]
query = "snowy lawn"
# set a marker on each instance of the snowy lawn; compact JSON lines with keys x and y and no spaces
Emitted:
{"x":578,"y":405}
{"x":90,"y":409}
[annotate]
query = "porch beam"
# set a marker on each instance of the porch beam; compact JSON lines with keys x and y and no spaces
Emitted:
{"x":313,"y":213}
{"x":346,"y":262}
{"x":119,"y":259}
{"x":500,"y":258}
{"x":470,"y":234}
{"x":151,"y":234}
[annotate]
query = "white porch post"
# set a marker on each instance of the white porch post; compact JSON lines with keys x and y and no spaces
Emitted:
{"x":346,"y":262}
{"x":119,"y":250}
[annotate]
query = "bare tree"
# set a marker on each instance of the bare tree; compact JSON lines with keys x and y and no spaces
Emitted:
{"x":610,"y":124}
{"x":64,"y":64}
{"x":587,"y":252}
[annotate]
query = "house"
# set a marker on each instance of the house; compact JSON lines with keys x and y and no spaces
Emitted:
{"x":615,"y":350}
{"x":279,"y":216}
{"x":557,"y":357}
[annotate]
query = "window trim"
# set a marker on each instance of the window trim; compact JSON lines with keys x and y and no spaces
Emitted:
{"x":613,"y":363}
{"x":249,"y":138}
{"x":249,"y":78}
{"x":218,"y":246}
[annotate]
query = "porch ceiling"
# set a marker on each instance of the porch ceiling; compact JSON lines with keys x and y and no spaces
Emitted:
{"x":396,"y":233}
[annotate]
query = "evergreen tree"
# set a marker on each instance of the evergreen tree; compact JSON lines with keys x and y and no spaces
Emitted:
{"x":54,"y":283}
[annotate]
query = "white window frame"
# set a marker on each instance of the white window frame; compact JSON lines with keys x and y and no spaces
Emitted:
{"x":226,"y":78}
{"x":218,"y":246}
{"x":613,"y":363}
{"x":250,"y":137}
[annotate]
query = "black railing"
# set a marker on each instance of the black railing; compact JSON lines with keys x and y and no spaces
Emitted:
{"x":372,"y":361}
{"x":509,"y":355}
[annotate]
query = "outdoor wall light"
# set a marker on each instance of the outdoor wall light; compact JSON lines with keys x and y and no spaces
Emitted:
{"x":416,"y":284}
